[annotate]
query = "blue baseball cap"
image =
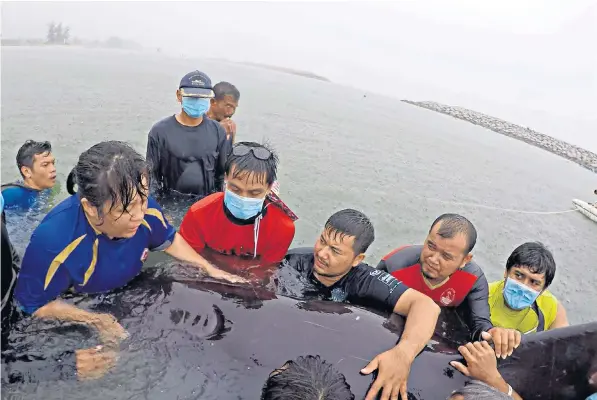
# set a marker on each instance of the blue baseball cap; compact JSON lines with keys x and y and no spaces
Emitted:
{"x":196,"y":84}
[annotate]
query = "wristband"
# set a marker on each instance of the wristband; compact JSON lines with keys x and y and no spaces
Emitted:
{"x":509,"y":390}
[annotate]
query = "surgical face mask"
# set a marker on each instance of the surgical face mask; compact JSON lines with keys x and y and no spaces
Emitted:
{"x":242,"y":207}
{"x":195,"y":107}
{"x":519,"y":296}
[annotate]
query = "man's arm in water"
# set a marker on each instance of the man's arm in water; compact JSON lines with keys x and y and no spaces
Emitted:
{"x":165,"y":238}
{"x":394,"y":364}
{"x":182,"y":251}
{"x":111,"y":332}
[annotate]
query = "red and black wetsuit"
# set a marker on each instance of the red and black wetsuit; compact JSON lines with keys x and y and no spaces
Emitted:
{"x":466,"y":289}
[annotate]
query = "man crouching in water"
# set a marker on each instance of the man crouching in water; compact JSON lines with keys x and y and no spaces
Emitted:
{"x":335,"y":267}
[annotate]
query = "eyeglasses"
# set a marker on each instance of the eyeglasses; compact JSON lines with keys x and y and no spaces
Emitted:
{"x":259,"y":152}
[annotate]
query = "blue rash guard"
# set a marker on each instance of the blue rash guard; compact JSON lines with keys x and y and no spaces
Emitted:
{"x":67,"y":251}
{"x":19,"y":197}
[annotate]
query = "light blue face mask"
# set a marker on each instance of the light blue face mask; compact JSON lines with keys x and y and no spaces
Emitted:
{"x":242,"y":207}
{"x":519,"y":296}
{"x":195,"y":107}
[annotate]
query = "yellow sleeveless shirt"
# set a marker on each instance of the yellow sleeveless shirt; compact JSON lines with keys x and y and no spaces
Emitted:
{"x":524,"y":321}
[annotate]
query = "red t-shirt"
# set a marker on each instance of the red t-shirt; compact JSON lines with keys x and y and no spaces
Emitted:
{"x":206,"y":225}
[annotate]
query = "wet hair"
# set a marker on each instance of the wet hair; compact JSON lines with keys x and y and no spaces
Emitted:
{"x":251,"y":165}
{"x":477,"y":390}
{"x":224,"y":89}
{"x":454,"y":224}
{"x":354,"y":223}
{"x":28,"y":151}
{"x":109,"y":171}
{"x":306,"y":378}
{"x":536,"y":258}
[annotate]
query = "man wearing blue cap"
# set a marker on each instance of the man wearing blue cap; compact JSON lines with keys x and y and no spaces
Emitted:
{"x":187,"y":151}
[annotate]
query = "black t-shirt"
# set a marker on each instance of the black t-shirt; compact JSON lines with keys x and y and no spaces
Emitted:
{"x":363,"y":285}
{"x":188,"y":159}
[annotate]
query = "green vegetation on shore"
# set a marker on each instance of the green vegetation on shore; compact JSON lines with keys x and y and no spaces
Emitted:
{"x":59,"y":35}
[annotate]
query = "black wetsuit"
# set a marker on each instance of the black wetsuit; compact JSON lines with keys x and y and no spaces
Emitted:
{"x":363,"y":285}
{"x":10,"y":262}
{"x":188,"y":159}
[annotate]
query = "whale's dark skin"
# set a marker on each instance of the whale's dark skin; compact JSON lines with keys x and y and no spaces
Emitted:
{"x":199,"y":339}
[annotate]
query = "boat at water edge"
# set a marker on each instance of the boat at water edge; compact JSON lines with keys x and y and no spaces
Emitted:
{"x":588,"y":210}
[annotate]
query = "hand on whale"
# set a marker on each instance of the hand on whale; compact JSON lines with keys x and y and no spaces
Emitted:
{"x":505,"y":340}
{"x":394,"y":368}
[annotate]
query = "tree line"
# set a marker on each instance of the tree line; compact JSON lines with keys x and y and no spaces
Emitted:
{"x":57,"y":34}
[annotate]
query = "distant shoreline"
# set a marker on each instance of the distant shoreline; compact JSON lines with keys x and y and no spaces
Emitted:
{"x":111,"y":43}
{"x":304,"y":74}
{"x":580,"y":156}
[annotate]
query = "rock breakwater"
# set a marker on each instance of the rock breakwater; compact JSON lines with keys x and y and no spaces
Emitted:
{"x":569,"y":151}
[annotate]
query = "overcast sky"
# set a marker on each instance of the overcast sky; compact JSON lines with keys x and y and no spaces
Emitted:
{"x":530,"y":61}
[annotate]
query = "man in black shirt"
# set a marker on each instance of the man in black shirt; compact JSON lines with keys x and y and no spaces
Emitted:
{"x":187,"y":151}
{"x":335,"y":267}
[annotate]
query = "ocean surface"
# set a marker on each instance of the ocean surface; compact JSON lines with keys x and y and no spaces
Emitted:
{"x":401,"y":165}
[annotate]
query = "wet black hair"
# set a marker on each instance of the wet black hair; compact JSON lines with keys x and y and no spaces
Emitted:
{"x":454,"y":224}
{"x":224,"y":89}
{"x":353,"y":223}
{"x":477,"y":390}
{"x":28,"y":151}
{"x":249,"y":164}
{"x":109,"y":171}
{"x":536,"y":258}
{"x":306,"y":378}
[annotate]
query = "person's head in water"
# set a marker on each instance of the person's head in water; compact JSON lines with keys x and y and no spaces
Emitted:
{"x":224,"y":104}
{"x":113,"y":183}
{"x":447,"y":247}
{"x":342,"y":245}
{"x":37,"y":165}
{"x":477,"y":390}
{"x":194,"y":94}
{"x":250,"y":171}
{"x":306,"y":378}
{"x":530,"y":269}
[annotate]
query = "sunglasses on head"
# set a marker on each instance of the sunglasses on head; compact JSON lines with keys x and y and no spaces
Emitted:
{"x":259,"y":152}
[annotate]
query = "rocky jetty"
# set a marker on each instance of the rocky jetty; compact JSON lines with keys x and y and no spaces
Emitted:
{"x":569,"y":151}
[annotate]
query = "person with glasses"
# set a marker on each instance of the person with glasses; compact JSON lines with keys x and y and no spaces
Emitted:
{"x":187,"y":151}
{"x":97,"y":240}
{"x":248,"y":220}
